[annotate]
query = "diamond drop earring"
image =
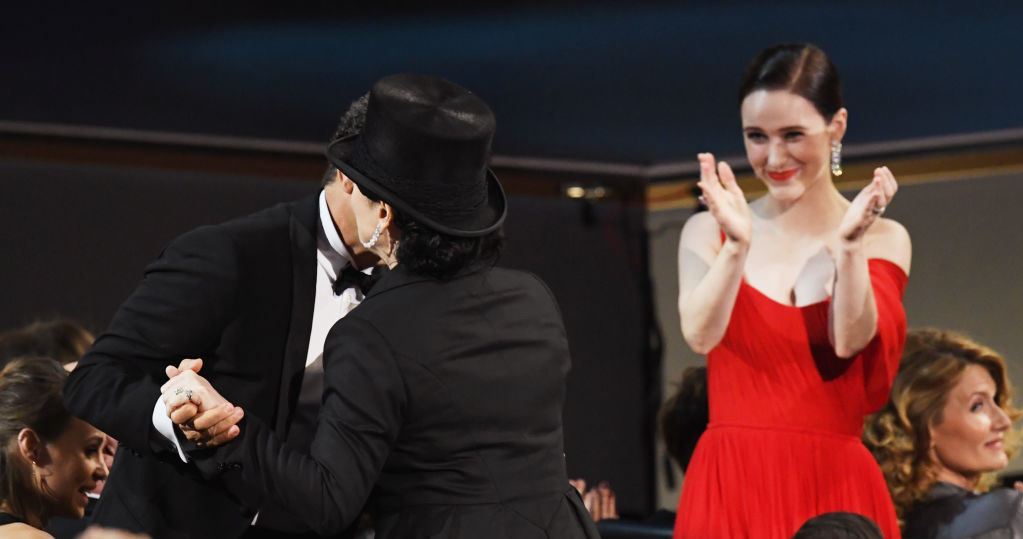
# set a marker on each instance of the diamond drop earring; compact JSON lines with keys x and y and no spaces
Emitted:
{"x":836,"y":158}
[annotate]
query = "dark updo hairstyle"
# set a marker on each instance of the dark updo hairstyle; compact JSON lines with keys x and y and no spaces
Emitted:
{"x":424,"y":251}
{"x":800,"y":68}
{"x":30,"y":397}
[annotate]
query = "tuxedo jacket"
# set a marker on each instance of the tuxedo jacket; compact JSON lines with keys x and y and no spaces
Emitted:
{"x":442,"y":407}
{"x":240,"y":296}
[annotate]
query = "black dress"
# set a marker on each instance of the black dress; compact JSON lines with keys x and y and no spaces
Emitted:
{"x":952,"y":512}
{"x":7,"y":518}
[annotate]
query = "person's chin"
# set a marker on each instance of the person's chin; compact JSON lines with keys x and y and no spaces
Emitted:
{"x":994,"y":463}
{"x":81,"y":501}
{"x":787,"y":191}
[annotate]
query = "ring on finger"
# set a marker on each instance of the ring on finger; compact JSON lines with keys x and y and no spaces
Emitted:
{"x":877,"y":210}
{"x":185,"y":391}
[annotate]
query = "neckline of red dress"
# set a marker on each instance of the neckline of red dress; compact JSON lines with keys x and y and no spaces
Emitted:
{"x":816,"y":303}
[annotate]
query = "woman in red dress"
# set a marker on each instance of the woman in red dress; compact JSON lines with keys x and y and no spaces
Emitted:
{"x":796,"y":298}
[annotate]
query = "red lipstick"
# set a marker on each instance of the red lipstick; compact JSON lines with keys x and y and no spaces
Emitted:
{"x":782,"y":175}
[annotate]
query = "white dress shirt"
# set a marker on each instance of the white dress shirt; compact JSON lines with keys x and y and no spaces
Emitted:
{"x":331,"y":258}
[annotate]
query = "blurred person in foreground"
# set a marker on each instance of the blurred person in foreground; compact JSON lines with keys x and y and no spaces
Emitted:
{"x":944,"y":433}
{"x":442,"y":412}
{"x":838,"y":525}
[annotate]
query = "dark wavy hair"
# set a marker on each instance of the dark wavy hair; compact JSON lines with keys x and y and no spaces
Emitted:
{"x":350,"y":124}
{"x":424,"y":251}
{"x":30,"y":397}
{"x":800,"y":68}
{"x":684,"y":416}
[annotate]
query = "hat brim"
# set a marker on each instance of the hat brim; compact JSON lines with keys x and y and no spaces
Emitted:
{"x":487,"y":219}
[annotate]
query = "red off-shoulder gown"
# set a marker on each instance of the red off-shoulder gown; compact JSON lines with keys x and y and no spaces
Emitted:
{"x":783,"y":443}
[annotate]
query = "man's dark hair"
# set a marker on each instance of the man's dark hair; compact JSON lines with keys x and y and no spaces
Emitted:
{"x":351,"y":124}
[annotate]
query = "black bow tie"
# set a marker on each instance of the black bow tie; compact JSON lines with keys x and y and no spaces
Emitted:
{"x":353,"y":277}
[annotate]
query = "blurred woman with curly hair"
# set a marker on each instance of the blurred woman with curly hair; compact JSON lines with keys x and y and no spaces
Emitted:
{"x":945,"y":431}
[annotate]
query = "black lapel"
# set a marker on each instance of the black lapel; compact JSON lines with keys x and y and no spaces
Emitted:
{"x":304,"y":220}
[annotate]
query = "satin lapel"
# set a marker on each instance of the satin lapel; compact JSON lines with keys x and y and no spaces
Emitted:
{"x":303,"y":274}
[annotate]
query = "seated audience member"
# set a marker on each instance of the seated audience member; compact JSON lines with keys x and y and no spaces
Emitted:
{"x":947,"y":427}
{"x":839,"y":525}
{"x":684,"y":416}
{"x":60,"y":339}
{"x":64,"y":340}
{"x":599,"y":500}
{"x":49,"y":460}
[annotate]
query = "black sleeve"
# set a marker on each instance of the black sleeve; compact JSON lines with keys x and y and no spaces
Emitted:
{"x":178,"y":311}
{"x":363,"y":404}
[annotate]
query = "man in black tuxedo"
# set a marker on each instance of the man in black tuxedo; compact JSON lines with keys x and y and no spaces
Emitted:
{"x":442,"y":409}
{"x":254,"y":297}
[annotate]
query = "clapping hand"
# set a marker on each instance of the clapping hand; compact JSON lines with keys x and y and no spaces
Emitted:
{"x":868,"y":205}
{"x":200,"y":412}
{"x":724,"y":199}
{"x":599,"y":501}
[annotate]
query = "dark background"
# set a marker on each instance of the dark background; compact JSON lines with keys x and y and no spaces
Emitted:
{"x":637,"y":82}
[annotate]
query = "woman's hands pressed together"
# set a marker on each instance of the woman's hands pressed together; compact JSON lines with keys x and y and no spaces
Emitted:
{"x":200,"y":412}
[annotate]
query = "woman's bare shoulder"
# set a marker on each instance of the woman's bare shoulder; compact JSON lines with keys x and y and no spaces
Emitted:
{"x":889,"y":240}
{"x":19,"y":530}
{"x":701,"y":228}
{"x":701,"y":235}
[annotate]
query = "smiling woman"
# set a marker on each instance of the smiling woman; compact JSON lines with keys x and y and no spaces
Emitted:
{"x":946,"y":429}
{"x":796,"y":299}
{"x":49,"y":460}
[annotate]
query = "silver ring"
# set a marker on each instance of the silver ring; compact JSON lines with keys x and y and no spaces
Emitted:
{"x":187,"y":392}
{"x":877,"y":210}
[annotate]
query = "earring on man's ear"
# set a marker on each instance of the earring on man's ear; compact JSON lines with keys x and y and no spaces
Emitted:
{"x":836,"y":158}
{"x":373,"y":239}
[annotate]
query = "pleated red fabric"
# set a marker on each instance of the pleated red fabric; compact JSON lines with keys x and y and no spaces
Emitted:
{"x":783,"y":443}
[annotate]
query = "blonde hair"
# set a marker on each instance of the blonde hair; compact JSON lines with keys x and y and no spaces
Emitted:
{"x":899,"y":434}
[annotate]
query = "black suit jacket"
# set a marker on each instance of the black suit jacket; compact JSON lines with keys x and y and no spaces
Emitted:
{"x":442,"y":407}
{"x":239,"y":295}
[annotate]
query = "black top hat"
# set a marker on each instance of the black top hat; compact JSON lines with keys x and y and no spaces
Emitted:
{"x":424,"y":150}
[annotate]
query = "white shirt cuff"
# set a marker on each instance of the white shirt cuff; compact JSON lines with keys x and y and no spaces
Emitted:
{"x":163,"y":424}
